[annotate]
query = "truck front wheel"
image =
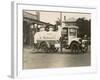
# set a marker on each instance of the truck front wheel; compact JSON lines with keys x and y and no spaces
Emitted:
{"x":75,"y":47}
{"x":84,"y":49}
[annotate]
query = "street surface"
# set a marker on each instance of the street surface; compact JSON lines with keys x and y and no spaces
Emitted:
{"x":35,"y":60}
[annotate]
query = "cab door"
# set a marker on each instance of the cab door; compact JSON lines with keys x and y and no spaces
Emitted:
{"x":72,"y":34}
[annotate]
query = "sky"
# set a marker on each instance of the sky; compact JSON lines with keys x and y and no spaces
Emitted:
{"x":51,"y":17}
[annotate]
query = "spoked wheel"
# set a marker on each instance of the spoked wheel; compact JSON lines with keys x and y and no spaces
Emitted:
{"x":44,"y":47}
{"x":75,"y":48}
{"x":84,"y":49}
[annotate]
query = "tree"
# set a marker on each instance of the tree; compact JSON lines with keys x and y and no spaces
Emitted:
{"x":84,"y":27}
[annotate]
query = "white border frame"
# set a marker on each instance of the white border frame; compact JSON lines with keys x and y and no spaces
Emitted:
{"x":17,"y":33}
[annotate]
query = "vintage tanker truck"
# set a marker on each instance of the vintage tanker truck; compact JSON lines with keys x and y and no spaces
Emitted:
{"x":64,"y":37}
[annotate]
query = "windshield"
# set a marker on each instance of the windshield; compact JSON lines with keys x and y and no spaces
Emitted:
{"x":73,"y":32}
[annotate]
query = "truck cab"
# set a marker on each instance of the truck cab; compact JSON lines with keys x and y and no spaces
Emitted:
{"x":69,"y":38}
{"x":68,"y":35}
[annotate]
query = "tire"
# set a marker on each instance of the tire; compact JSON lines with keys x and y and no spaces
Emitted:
{"x":85,"y":49}
{"x":75,"y":47}
{"x":44,"y":47}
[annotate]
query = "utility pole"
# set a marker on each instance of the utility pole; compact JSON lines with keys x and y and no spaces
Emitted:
{"x":61,"y":36}
{"x":61,"y":19}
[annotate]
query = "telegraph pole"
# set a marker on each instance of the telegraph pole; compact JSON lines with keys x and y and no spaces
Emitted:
{"x":61,"y":36}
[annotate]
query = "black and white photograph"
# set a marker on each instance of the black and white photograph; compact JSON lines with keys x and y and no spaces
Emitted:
{"x":56,"y":39}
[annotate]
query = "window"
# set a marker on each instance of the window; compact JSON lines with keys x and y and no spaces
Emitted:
{"x":65,"y":31}
{"x":73,"y":32}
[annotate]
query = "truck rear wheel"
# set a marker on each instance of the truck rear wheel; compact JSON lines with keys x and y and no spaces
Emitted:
{"x":75,"y":47}
{"x":44,"y":46}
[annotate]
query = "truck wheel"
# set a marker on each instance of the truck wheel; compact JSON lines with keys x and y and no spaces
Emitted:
{"x":44,"y":46}
{"x":84,"y":50}
{"x":75,"y":47}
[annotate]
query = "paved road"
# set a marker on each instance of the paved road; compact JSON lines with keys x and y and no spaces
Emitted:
{"x":33,"y":60}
